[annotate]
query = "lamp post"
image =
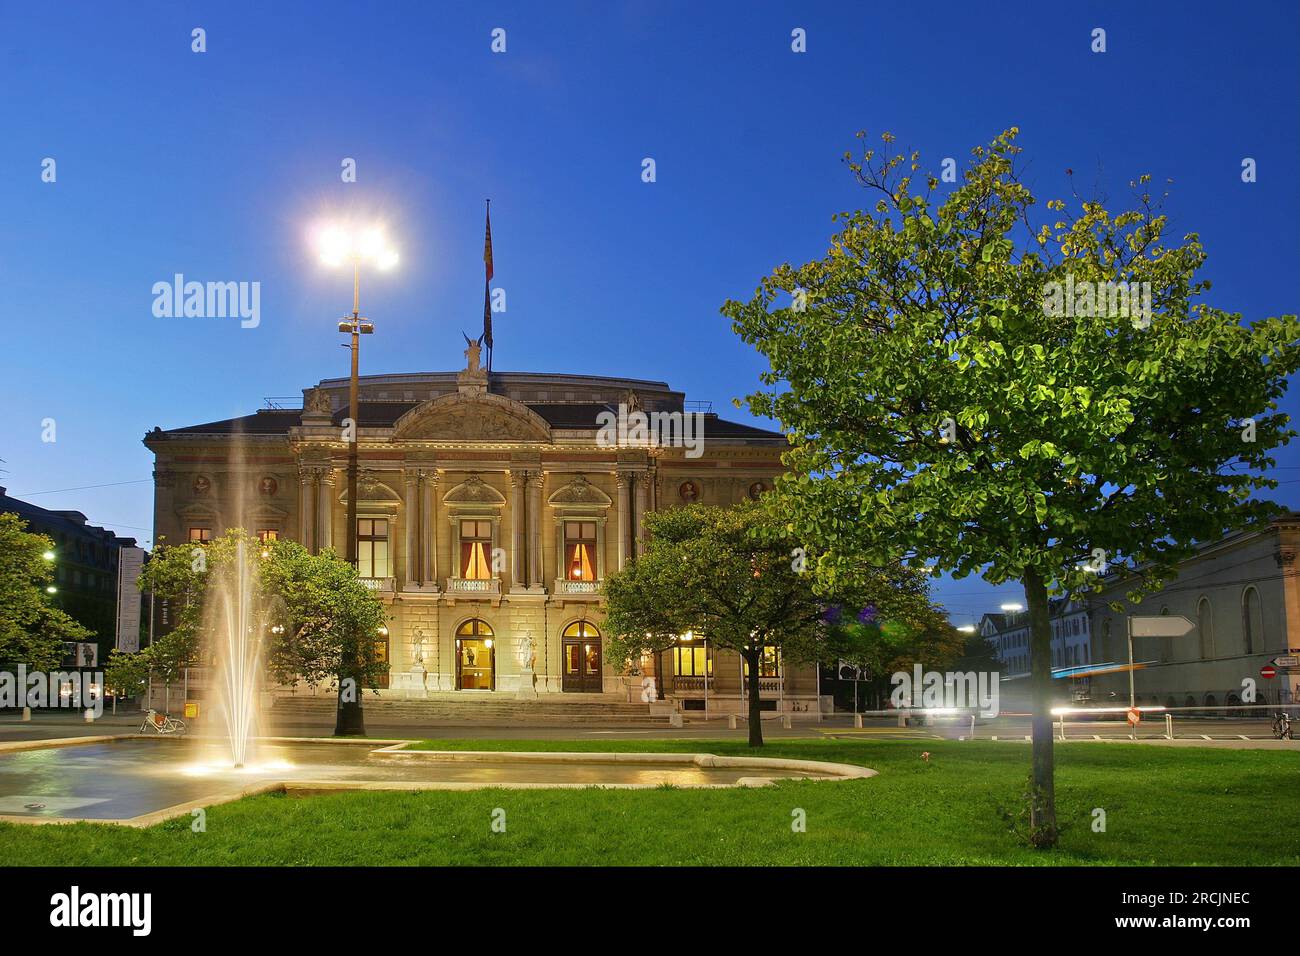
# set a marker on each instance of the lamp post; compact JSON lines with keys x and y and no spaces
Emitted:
{"x":339,"y":245}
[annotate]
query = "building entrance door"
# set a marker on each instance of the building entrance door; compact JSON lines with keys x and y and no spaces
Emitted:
{"x":475,"y":657}
{"x":582,"y":659}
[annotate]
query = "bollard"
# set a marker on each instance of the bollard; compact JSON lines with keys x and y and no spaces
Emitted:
{"x":785,"y":721}
{"x":90,"y":715}
{"x":731,"y":721}
{"x":857,"y":721}
{"x":902,"y":718}
{"x":1169,"y":726}
{"x":27,"y":714}
{"x":675,"y":719}
{"x":972,"y":726}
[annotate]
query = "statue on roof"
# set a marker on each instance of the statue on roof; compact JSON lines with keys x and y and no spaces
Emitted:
{"x":472,"y":353}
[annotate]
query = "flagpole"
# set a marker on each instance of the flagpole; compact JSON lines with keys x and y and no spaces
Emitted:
{"x":487,"y":286}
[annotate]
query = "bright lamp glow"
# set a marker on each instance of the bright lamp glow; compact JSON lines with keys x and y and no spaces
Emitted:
{"x":338,"y":244}
{"x":1013,"y":607}
{"x":967,"y":628}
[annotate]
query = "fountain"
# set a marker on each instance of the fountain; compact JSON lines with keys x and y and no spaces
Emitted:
{"x":236,"y":637}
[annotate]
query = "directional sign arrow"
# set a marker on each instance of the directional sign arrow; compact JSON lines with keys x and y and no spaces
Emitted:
{"x":1287,"y":660}
{"x":1163,"y":625}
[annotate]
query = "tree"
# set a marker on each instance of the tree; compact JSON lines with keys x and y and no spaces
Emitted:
{"x":32,"y":630}
{"x":319,"y":621}
{"x":325,"y":621}
{"x":1032,"y":403}
{"x":886,"y":647}
{"x":736,"y":577}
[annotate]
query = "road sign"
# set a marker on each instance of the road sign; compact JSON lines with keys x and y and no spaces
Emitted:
{"x":1268,"y":671}
{"x":1134,"y":716}
{"x":1286,"y":660}
{"x":1161,"y":625}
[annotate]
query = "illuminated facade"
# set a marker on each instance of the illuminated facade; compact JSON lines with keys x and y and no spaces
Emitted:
{"x":489,"y":512}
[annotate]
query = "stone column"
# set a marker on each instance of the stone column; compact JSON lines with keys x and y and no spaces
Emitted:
{"x":535,"y":531}
{"x":429,"y":526}
{"x":642,"y":487}
{"x":305,"y":484}
{"x":623,"y":523}
{"x":325,"y":509}
{"x":414,"y":573}
{"x":518,"y":550}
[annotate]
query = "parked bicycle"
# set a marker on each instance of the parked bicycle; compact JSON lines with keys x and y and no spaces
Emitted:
{"x":1282,"y":726}
{"x":155,"y":722}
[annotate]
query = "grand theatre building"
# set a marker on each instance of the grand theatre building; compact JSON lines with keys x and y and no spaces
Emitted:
{"x":490,"y":509}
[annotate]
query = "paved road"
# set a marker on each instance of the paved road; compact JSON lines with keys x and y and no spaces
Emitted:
{"x":1237,"y":733}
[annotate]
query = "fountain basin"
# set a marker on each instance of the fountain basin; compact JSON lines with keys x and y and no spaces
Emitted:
{"x":140,"y":781}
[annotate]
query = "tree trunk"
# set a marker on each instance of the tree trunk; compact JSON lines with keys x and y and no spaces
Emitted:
{"x":755,"y":712}
{"x":349,"y":721}
{"x":1042,"y":798}
{"x":659,"y":675}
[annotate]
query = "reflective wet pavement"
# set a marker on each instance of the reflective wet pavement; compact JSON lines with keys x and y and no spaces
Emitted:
{"x":121,"y":779}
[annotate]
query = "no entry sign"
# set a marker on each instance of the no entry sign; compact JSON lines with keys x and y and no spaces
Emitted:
{"x":1268,"y":670}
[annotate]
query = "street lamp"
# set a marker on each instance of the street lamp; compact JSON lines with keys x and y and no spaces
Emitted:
{"x":340,"y":245}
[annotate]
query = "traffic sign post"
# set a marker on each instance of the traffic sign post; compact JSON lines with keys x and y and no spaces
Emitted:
{"x":1268,"y":671}
{"x":1153,"y":625}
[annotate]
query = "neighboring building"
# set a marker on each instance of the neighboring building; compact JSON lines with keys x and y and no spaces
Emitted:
{"x":1008,"y":633}
{"x":85,"y":573}
{"x":1244,"y":596}
{"x":489,"y":512}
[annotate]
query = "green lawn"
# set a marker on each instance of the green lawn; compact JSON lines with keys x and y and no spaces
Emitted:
{"x":1163,"y":806}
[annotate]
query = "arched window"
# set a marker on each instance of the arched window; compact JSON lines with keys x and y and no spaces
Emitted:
{"x":1205,"y":625}
{"x":1252,"y":620}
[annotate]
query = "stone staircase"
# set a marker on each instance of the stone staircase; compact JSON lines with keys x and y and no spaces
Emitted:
{"x":448,"y":709}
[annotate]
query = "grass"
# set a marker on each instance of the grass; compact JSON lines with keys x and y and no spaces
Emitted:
{"x":1163,"y":805}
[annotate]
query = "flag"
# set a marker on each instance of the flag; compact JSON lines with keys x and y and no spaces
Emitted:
{"x":487,"y":291}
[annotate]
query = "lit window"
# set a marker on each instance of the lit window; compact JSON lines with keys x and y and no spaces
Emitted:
{"x":265,"y":535}
{"x":691,"y":662}
{"x":580,"y":550}
{"x":475,"y":548}
{"x":200,"y":535}
{"x":769,"y":663}
{"x":372,"y":547}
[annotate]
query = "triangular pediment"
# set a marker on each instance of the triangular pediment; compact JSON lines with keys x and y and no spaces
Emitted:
{"x":471,"y":418}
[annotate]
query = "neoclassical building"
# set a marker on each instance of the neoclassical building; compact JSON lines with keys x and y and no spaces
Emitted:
{"x":490,"y":509}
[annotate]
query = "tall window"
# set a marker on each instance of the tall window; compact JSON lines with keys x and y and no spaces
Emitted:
{"x":1252,"y":620}
{"x":267,"y":535}
{"x":580,"y":550}
{"x":1205,"y":625}
{"x":769,"y":663}
{"x":475,"y":549}
{"x":200,"y":535}
{"x":693,"y":661}
{"x":372,"y":547}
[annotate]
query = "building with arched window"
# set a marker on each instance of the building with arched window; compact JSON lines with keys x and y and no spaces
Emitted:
{"x":1242,"y":593}
{"x":490,"y":509}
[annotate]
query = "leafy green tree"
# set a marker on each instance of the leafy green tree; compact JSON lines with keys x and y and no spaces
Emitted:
{"x":318,"y":620}
{"x":966,"y":386}
{"x":32,"y":630}
{"x":325,"y":621}
{"x":883,"y":647}
{"x":734,"y":576}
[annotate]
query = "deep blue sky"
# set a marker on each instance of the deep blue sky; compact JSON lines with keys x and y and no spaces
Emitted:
{"x":215,"y":165}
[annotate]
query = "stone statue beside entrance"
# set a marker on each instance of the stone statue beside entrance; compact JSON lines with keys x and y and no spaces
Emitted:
{"x":527,"y":661}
